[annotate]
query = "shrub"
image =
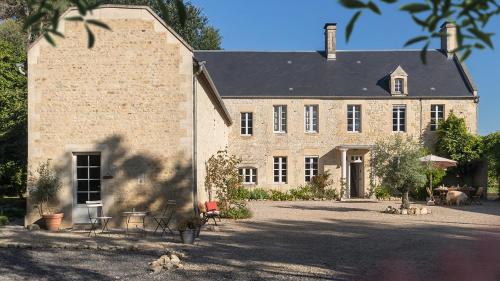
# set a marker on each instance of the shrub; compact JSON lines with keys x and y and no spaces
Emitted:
{"x":382,"y":193}
{"x":44,"y":187}
{"x":238,"y":211}
{"x":302,"y":193}
{"x":258,"y":194}
{"x":242,"y":194}
{"x":3,"y":220}
{"x":331,"y":194}
{"x":320,"y":183}
{"x":277,"y":195}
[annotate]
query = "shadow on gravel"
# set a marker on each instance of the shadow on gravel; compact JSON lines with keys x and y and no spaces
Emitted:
{"x":324,"y":208}
{"x":357,"y":250}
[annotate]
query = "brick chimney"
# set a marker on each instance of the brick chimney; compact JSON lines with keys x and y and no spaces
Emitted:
{"x":331,"y":41}
{"x":449,"y":38}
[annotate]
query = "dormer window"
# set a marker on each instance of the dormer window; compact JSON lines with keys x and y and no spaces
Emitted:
{"x":399,"y":82}
{"x":399,"y":85}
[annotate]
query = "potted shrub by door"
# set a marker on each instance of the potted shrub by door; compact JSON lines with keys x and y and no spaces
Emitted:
{"x":189,"y":229}
{"x":44,"y":188}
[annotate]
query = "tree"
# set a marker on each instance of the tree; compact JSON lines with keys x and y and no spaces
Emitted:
{"x":223,"y":178}
{"x":491,"y":144}
{"x":455,"y":142}
{"x":470,"y":17}
{"x":42,"y":18}
{"x":13,"y":116}
{"x":397,"y":165}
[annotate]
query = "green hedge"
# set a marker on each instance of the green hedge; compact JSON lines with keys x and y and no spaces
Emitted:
{"x":300,"y":193}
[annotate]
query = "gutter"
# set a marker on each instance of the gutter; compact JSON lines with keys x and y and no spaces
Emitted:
{"x":356,"y":97}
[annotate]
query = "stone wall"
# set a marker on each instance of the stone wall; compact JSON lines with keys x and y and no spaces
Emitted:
{"x":376,"y":123}
{"x":212,"y":132}
{"x":129,"y":98}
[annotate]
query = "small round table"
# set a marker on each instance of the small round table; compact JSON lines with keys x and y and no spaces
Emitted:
{"x":137,"y":218}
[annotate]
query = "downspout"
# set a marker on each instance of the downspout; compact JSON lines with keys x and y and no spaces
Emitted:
{"x":421,"y":121}
{"x":195,"y":139}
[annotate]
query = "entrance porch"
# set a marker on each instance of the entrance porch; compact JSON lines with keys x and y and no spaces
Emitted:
{"x":354,"y":170}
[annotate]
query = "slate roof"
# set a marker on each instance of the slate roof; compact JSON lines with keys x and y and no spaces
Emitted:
{"x":353,"y":74}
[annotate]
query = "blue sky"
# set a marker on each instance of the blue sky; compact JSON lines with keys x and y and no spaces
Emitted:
{"x":297,"y":25}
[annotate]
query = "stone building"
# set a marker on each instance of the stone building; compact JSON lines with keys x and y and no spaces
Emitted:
{"x":133,"y":120}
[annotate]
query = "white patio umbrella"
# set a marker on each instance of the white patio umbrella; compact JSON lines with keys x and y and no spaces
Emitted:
{"x":438,"y":162}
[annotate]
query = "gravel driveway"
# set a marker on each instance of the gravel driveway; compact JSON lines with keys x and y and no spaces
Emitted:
{"x":315,"y":240}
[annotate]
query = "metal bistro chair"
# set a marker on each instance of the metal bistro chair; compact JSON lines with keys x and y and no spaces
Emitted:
{"x":97,"y":217}
{"x":163,"y":219}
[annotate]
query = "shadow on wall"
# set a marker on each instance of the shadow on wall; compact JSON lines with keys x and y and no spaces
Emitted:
{"x":140,"y":180}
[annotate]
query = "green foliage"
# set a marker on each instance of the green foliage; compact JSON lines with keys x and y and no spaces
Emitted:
{"x":382,"y":192}
{"x":3,"y":220}
{"x":12,"y":31}
{"x":12,"y":179}
{"x":396,"y":163}
{"x":331,"y":194}
{"x":302,"y":193}
{"x":13,"y":116}
{"x":44,"y":187}
{"x":242,"y":193}
{"x":277,"y":195}
{"x":258,"y":194}
{"x":239,"y":211}
{"x":491,"y":145}
{"x":470,"y":17}
{"x":455,"y":142}
{"x":42,"y":18}
{"x":320,"y":183}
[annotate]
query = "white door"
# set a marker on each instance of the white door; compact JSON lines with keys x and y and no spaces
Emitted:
{"x":86,"y":184}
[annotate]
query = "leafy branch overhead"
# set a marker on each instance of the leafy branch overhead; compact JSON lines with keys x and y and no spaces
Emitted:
{"x":43,"y":16}
{"x":469,"y":16}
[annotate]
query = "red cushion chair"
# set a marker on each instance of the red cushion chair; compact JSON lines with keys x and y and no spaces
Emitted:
{"x":212,"y":212}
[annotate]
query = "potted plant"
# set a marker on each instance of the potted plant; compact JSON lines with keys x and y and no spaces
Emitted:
{"x":189,"y":229}
{"x":44,"y":188}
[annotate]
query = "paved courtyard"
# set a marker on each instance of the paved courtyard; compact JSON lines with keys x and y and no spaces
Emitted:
{"x":315,"y":240}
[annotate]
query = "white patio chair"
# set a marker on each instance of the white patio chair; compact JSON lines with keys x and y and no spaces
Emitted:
{"x":97,"y":217}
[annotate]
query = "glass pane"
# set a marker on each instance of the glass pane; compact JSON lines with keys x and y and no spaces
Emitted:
{"x":349,"y":114}
{"x":81,"y":198}
{"x":82,"y":160}
{"x":240,"y":171}
{"x":95,"y":173}
{"x":83,"y":185}
{"x":95,"y":196}
{"x":94,"y":185}
{"x":82,"y":173}
{"x":276,"y":178}
{"x":95,"y":160}
{"x":402,"y":127}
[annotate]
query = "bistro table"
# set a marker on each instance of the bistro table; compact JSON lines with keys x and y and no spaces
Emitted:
{"x":138,"y":218}
{"x":442,"y":191}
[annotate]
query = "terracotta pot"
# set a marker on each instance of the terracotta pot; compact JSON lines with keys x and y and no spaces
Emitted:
{"x":53,"y":221}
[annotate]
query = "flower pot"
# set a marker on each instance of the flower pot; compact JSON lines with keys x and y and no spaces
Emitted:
{"x":187,"y":236}
{"x":53,"y":221}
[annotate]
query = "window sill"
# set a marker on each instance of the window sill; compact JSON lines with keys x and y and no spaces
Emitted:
{"x":311,"y":133}
{"x":280,"y":133}
{"x":246,"y":136}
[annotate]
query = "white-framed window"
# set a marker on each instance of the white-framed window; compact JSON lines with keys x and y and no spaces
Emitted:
{"x":311,"y":118}
{"x":246,"y":123}
{"x":437,"y":115}
{"x":88,"y":177}
{"x":280,"y":118}
{"x":248,"y":175}
{"x":354,"y":118}
{"x":311,"y":167}
{"x":279,"y":169}
{"x":399,"y":84}
{"x":399,"y":118}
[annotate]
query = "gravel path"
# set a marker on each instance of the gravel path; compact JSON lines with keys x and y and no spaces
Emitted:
{"x":301,"y":241}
